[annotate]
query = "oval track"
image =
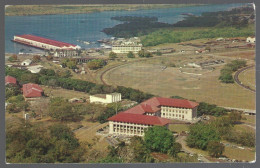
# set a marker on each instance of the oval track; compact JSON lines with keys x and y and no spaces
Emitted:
{"x":239,"y":82}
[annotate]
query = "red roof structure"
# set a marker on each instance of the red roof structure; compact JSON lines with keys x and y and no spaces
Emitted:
{"x":10,"y":80}
{"x":153,"y":105}
{"x":46,"y":41}
{"x":139,"y":119}
{"x":31,"y":90}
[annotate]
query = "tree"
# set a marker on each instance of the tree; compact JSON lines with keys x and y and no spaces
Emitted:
{"x":96,"y":64}
{"x":176,"y":148}
{"x":61,"y":110}
{"x":112,"y":55}
{"x":215,"y":148}
{"x":29,"y":78}
{"x":17,"y":104}
{"x":158,"y":139}
{"x":201,"y":134}
{"x":130,"y":54}
{"x":140,"y":152}
{"x":47,"y":72}
{"x":234,"y":117}
{"x":148,"y":54}
{"x":36,"y":58}
{"x":11,"y":90}
{"x":141,"y":53}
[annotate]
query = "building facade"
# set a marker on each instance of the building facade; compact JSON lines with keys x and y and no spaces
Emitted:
{"x":126,"y":47}
{"x":105,"y":98}
{"x":134,"y":124}
{"x":154,"y":111}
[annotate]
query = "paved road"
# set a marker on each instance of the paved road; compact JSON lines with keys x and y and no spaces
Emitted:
{"x":239,"y":82}
{"x":181,"y":140}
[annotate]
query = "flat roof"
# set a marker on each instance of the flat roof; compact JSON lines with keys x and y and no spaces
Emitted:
{"x":46,"y":41}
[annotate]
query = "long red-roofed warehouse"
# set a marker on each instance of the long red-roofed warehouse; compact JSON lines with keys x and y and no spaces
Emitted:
{"x":151,"y":112}
{"x":43,"y":43}
{"x":31,"y":90}
{"x":10,"y":80}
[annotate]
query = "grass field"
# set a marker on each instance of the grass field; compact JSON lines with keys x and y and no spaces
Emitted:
{"x":248,"y":78}
{"x":178,"y":127}
{"x":239,"y":154}
{"x":67,"y":94}
{"x":149,"y":77}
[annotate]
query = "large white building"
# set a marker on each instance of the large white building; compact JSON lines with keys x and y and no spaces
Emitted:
{"x":155,"y":111}
{"x":43,"y":43}
{"x":126,"y":47}
{"x":105,"y":98}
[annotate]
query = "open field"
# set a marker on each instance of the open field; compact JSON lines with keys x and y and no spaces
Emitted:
{"x":239,"y":154}
{"x":247,"y":77}
{"x":67,"y":94}
{"x":149,"y":76}
{"x":178,"y":127}
{"x":250,"y":119}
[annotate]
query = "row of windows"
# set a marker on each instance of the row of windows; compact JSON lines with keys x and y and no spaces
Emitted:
{"x":177,"y":111}
{"x":125,"y":123}
{"x":168,"y":114}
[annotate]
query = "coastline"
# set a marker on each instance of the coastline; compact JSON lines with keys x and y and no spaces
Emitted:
{"x":35,"y":10}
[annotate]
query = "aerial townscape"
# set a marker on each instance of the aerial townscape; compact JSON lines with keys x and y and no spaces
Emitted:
{"x":130,"y":83}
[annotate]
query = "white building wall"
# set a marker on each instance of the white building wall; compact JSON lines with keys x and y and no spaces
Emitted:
{"x":110,"y":98}
{"x":128,"y":129}
{"x":250,"y":40}
{"x":178,"y":113}
{"x":126,"y":49}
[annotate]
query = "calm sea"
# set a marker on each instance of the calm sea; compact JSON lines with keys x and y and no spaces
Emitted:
{"x":88,"y":27}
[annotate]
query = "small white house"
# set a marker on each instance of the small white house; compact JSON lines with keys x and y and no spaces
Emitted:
{"x":26,"y":62}
{"x":250,"y":39}
{"x":105,"y":98}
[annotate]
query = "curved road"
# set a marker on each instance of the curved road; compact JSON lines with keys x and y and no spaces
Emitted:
{"x":239,"y":82}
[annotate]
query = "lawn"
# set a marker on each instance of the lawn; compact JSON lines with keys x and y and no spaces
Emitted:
{"x":248,"y":77}
{"x":178,"y":127}
{"x":239,"y":154}
{"x":67,"y":94}
{"x":149,"y":77}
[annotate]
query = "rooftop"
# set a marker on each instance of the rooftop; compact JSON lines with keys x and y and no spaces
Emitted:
{"x":46,"y":41}
{"x":10,"y":79}
{"x":32,"y":90}
{"x":139,"y":119}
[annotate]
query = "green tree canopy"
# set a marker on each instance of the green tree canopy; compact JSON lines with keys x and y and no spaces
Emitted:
{"x":130,"y":54}
{"x":201,"y":134}
{"x":158,"y":139}
{"x":215,"y":148}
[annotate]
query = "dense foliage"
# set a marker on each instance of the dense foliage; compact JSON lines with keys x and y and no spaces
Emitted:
{"x":158,"y":139}
{"x":134,"y":26}
{"x":235,"y":17}
{"x":17,"y":104}
{"x":96,"y":64}
{"x":27,"y":143}
{"x":177,"y":35}
{"x":215,"y":148}
{"x":210,"y":109}
{"x":201,"y":134}
{"x":228,"y":69}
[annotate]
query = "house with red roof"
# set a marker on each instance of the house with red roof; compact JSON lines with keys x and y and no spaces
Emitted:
{"x":154,"y":111}
{"x":31,"y":90}
{"x":10,"y":80}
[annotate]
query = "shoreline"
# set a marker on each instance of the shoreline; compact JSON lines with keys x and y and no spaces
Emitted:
{"x":97,"y":9}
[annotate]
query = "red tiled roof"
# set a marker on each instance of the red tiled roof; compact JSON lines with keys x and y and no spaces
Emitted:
{"x":152,"y":105}
{"x":46,"y":41}
{"x":10,"y":80}
{"x":139,"y":119}
{"x":182,"y":103}
{"x":32,"y":90}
